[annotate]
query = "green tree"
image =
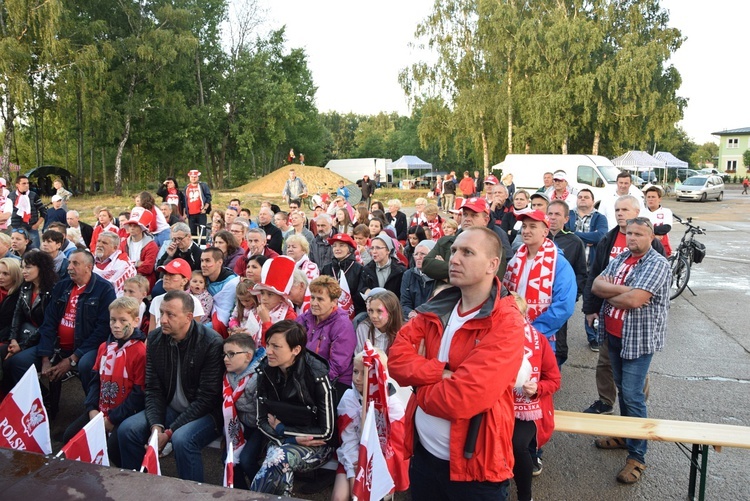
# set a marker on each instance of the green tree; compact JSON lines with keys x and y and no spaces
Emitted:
{"x":28,"y":45}
{"x":746,"y":159}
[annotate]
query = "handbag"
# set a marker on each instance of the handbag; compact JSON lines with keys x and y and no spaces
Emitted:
{"x":297,"y":415}
{"x":28,"y":335}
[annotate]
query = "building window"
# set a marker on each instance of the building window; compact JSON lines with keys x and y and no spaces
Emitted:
{"x":731,"y":165}
{"x":733,"y":142}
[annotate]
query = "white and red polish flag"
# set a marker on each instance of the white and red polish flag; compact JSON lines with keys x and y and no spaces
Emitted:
{"x":151,"y":459}
{"x":24,"y":425}
{"x":372,"y":480}
{"x":229,"y":466}
{"x":90,"y":444}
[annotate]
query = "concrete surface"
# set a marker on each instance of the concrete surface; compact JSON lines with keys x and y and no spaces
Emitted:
{"x":702,"y":375}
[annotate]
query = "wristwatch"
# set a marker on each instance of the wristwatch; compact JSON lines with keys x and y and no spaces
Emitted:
{"x":72,"y":361}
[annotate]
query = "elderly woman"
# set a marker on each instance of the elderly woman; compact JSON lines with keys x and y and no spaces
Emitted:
{"x":39,"y":277}
{"x":397,"y":219}
{"x":331,"y":334}
{"x":297,"y":221}
{"x":292,"y":381}
{"x":227,"y":243}
{"x":418,"y":217}
{"x":416,"y":287}
{"x":297,"y":248}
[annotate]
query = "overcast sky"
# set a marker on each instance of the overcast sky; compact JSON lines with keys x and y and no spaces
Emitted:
{"x":356,"y":49}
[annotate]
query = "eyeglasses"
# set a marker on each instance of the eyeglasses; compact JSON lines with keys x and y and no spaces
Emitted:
{"x":177,"y":240}
{"x":378,"y":248}
{"x":230,"y":354}
{"x":641,"y":221}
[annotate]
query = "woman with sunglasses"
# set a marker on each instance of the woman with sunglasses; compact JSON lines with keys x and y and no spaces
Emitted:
{"x":20,"y":241}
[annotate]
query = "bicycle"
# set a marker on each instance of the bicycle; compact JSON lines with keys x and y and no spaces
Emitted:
{"x":688,"y":252}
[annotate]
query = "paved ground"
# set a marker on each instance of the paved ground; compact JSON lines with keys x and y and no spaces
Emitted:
{"x":702,"y":375}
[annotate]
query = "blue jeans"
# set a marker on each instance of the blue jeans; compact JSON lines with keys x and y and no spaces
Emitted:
{"x":430,"y":480}
{"x":630,"y":377}
{"x":17,"y":365}
{"x":249,"y":457}
{"x":188,"y":441}
{"x":591,"y":334}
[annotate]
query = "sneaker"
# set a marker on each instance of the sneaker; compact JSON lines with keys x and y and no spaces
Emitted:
{"x":166,"y":451}
{"x":599,"y":407}
{"x":537,"y":468}
{"x":594,"y":346}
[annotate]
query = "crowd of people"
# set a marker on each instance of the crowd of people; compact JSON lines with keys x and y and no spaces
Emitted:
{"x":198,"y":322}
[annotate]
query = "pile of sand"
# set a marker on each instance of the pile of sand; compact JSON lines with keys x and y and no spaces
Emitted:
{"x":316,"y":179}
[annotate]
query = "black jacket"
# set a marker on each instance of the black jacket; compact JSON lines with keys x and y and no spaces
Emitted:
{"x":274,"y":238}
{"x":162,"y":192}
{"x":192,"y":256}
{"x":592,"y":303}
{"x":37,"y":210}
{"x":28,"y":312}
{"x":574,"y":250}
{"x":306,"y":384}
{"x":133,"y":403}
{"x":399,"y":223}
{"x":393,"y":282}
{"x":357,"y":276}
{"x":7,"y":310}
{"x":201,"y":372}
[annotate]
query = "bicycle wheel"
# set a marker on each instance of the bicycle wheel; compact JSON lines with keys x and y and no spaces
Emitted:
{"x":680,"y":274}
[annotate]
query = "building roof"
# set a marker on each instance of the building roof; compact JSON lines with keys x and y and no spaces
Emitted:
{"x":727,"y":132}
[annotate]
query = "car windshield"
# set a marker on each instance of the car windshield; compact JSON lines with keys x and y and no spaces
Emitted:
{"x":695,"y":181}
{"x":609,"y":172}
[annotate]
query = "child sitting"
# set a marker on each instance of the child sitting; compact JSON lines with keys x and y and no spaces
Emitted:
{"x":199,"y":292}
{"x":276,"y":279}
{"x":239,"y":408}
{"x":245,"y":317}
{"x":119,"y":376}
{"x":137,"y":288}
{"x":350,"y":428}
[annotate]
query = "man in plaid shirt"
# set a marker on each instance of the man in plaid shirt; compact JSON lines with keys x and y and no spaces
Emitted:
{"x":635,"y":289}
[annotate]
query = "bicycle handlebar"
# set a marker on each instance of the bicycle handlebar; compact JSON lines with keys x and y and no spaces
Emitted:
{"x":691,"y":227}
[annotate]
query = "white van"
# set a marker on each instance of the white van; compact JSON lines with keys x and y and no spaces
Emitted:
{"x":584,"y":171}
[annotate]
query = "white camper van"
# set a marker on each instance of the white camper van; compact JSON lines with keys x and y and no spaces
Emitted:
{"x":584,"y":171}
{"x":354,"y":168}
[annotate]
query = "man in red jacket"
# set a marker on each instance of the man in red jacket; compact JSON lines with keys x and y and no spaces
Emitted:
{"x":462,"y":353}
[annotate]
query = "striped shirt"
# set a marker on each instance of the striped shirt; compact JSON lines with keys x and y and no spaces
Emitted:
{"x":644,"y":329}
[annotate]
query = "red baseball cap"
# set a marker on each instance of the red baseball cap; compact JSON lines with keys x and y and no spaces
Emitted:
{"x":177,"y":267}
{"x":491,"y":180}
{"x":536,"y":215}
{"x":476,"y":204}
{"x":343,"y":237}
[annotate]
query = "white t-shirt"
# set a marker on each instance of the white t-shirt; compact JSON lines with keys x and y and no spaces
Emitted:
{"x":134,"y":250}
{"x":156,"y":302}
{"x":435,"y":432}
{"x":607,"y":206}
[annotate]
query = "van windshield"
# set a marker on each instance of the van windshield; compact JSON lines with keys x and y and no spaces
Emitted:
{"x":609,"y":172}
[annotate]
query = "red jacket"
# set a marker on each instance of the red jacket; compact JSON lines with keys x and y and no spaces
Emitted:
{"x":485,"y":356}
{"x":148,"y":258}
{"x":467,"y":186}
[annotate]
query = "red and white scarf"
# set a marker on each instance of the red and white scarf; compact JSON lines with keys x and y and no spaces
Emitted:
{"x":529,"y":408}
{"x":564,"y":196}
{"x":538,"y":293}
{"x":116,"y":383}
{"x":23,"y":206}
{"x":232,"y":425}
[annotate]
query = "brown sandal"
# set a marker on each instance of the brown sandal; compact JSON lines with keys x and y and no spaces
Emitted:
{"x":610,"y":443}
{"x":632,"y":472}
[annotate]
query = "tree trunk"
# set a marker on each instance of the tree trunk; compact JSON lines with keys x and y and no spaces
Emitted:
{"x":510,"y":108}
{"x":104,"y":171}
{"x":597,"y":138}
{"x":79,"y":129}
{"x":564,"y":146}
{"x":91,"y":159}
{"x":123,"y":140}
{"x":485,"y":151}
{"x":9,"y":122}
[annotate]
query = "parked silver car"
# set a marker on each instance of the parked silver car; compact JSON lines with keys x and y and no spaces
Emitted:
{"x":701,"y":188}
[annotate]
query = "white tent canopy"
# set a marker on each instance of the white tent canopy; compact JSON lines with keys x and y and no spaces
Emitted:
{"x":410,"y":162}
{"x":638,"y":161}
{"x":671,"y":161}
